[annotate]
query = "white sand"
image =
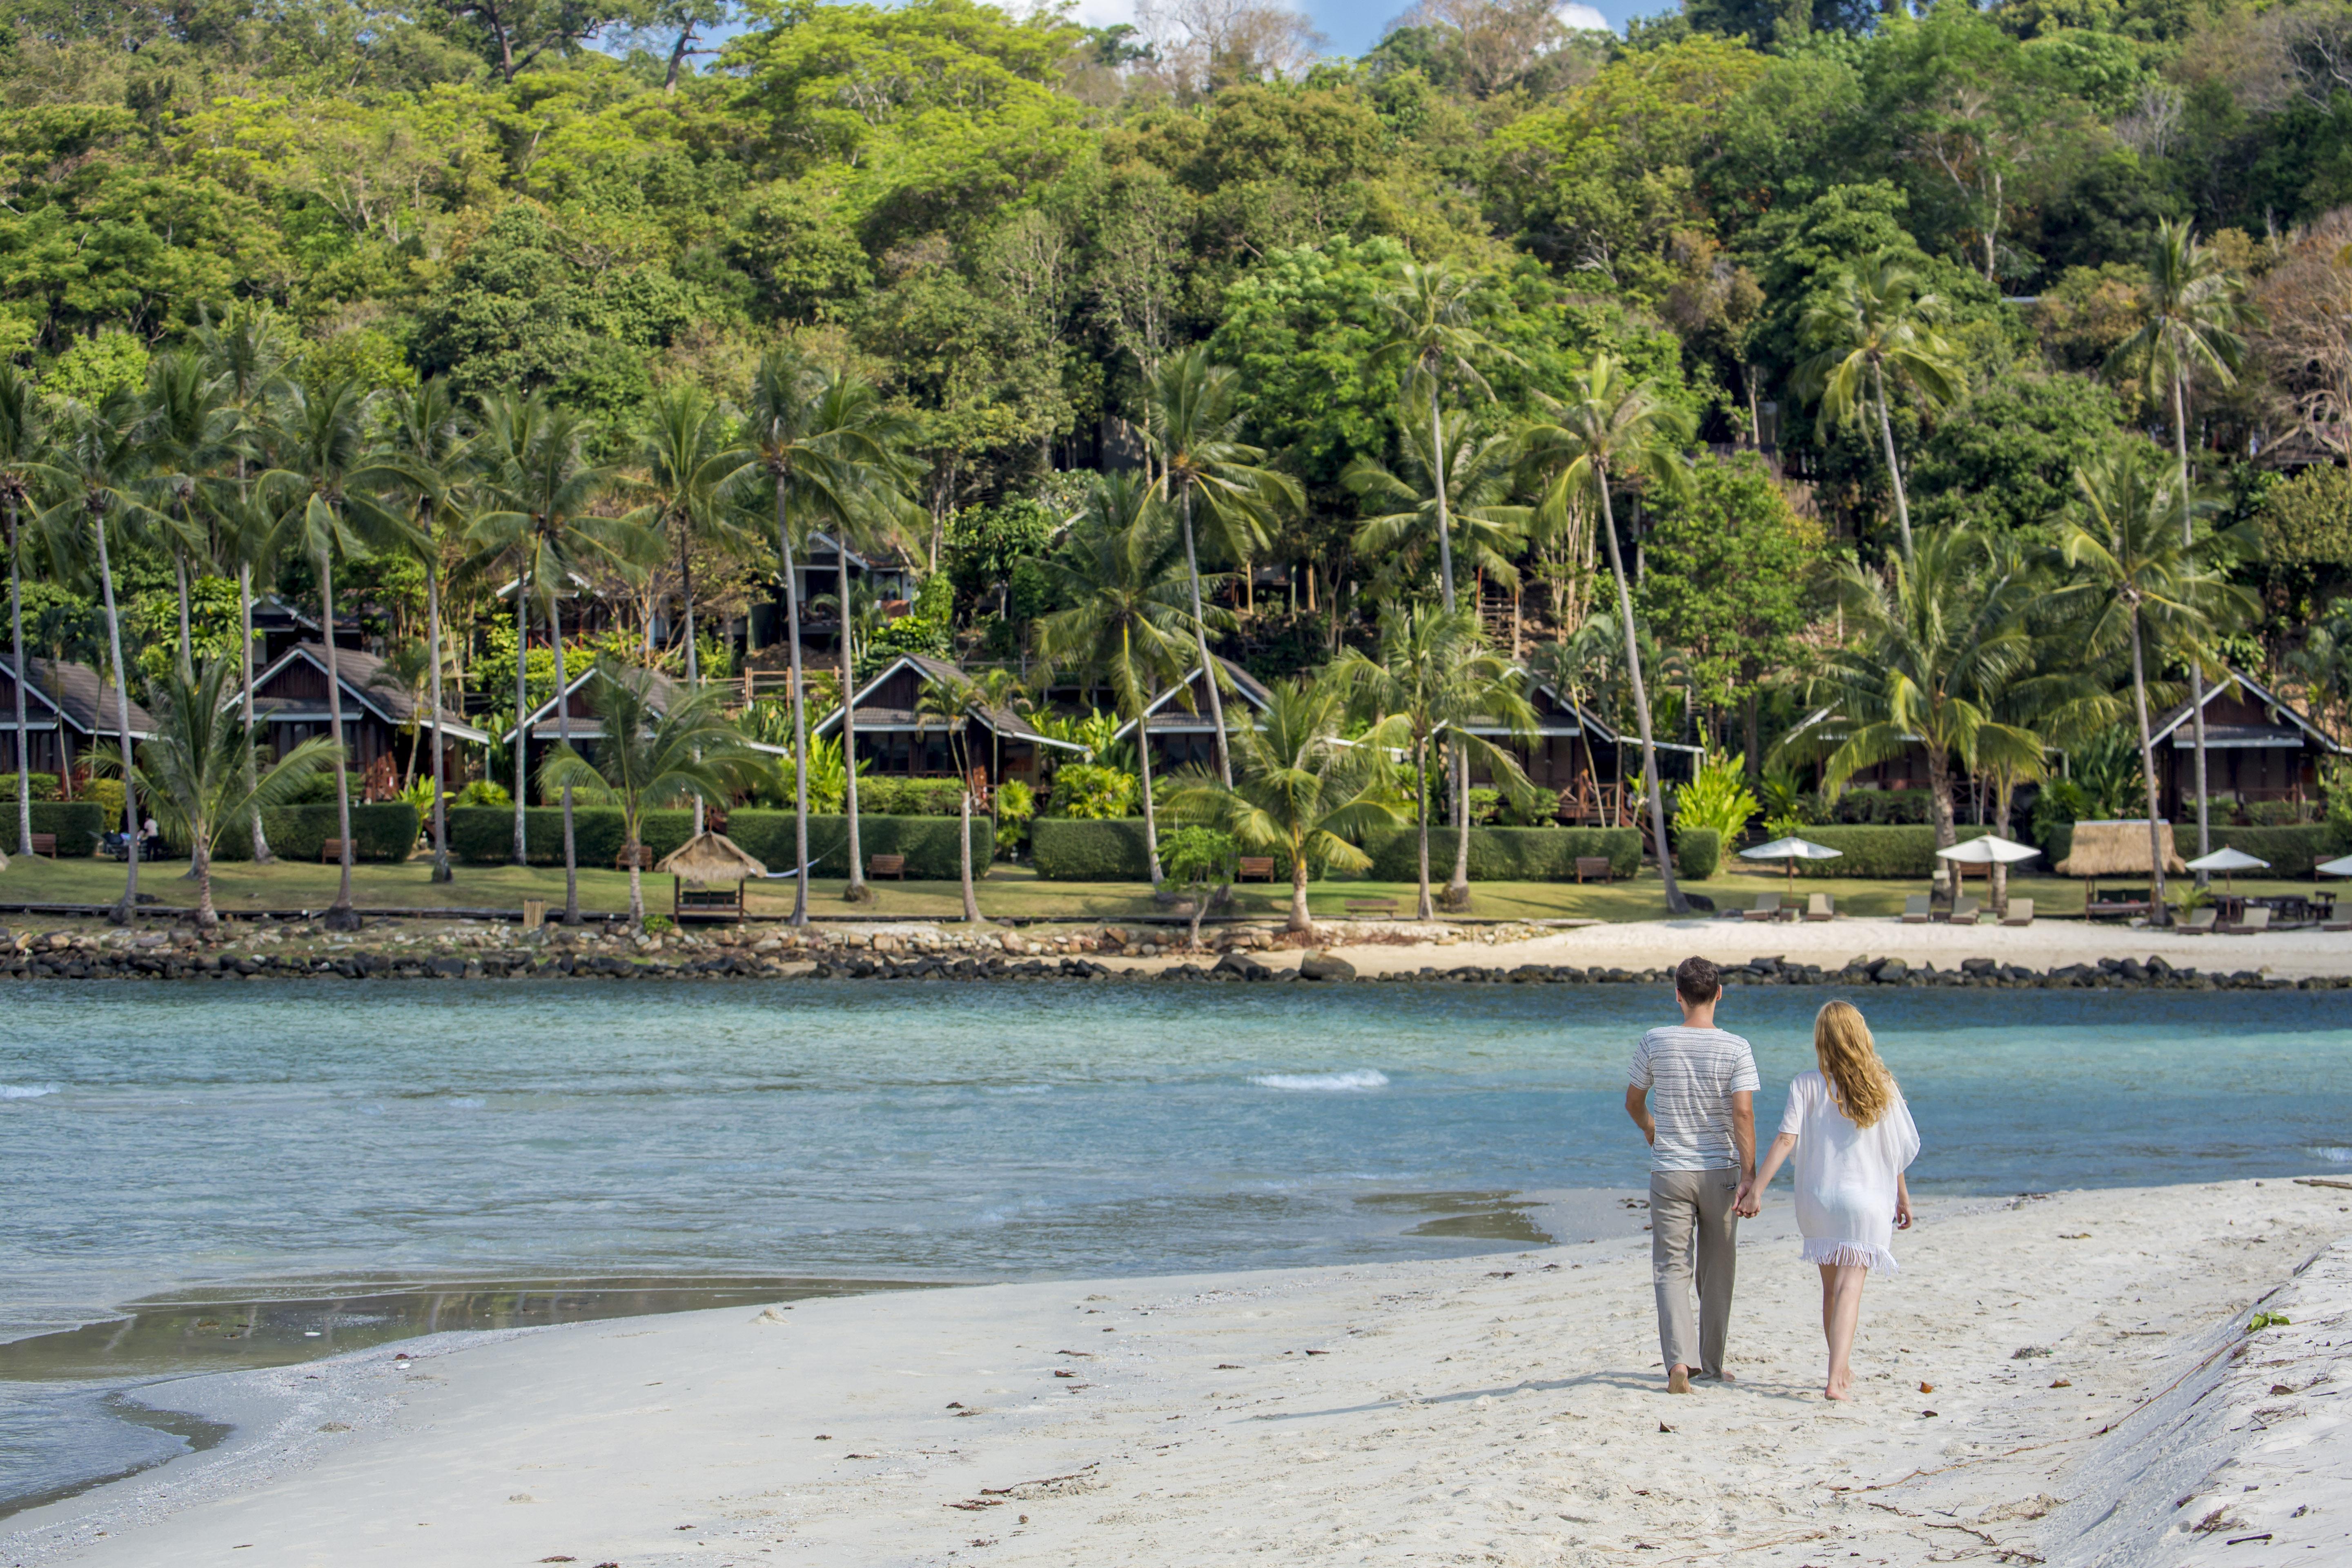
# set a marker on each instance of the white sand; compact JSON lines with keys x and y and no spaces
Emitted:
{"x":1499,"y":1410}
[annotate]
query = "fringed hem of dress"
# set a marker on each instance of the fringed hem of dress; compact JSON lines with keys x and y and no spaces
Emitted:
{"x":1850,"y":1255}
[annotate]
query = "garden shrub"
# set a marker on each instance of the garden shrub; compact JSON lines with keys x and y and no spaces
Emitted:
{"x":1067,"y":850}
{"x":77,"y":823}
{"x":485,"y":835}
{"x":1094,"y":793}
{"x":44,"y":786}
{"x":1504,"y":854}
{"x":928,"y":842}
{"x":386,"y":832}
{"x":1894,"y":850}
{"x":1699,"y":851}
{"x":1882,"y":807}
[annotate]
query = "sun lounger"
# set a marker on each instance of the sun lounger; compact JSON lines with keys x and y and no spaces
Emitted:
{"x":1914,"y":909}
{"x":2200,"y":922}
{"x":2020,"y":913}
{"x":2257,"y":919}
{"x":1821,"y":907}
{"x":1768,"y":908}
{"x":1966,"y":911}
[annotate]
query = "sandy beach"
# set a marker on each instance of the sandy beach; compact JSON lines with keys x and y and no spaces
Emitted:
{"x":2067,"y":1378}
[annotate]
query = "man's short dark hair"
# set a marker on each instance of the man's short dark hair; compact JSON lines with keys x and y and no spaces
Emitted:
{"x":1696,"y":981}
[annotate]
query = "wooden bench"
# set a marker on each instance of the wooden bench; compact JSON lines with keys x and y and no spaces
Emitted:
{"x":1358,"y":907}
{"x":332,"y":850}
{"x":645,"y":858}
{"x":887,"y":866}
{"x":46,"y":844}
{"x":1254,"y":869}
{"x":1594,"y":866}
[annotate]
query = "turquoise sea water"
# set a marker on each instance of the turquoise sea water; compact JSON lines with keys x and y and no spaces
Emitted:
{"x":155,"y":1139}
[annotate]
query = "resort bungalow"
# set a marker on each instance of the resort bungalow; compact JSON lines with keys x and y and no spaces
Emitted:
{"x":1182,"y":734}
{"x":1580,"y":758}
{"x":2257,"y":748}
{"x":543,"y":726}
{"x":889,"y":576}
{"x":1818,"y":734}
{"x":68,"y":712}
{"x":387,"y":733}
{"x":896,"y":737}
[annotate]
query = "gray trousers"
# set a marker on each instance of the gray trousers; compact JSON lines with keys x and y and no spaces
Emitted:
{"x":1694,"y":1230}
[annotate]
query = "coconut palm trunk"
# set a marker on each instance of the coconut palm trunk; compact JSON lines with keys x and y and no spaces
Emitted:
{"x":1893,"y":468}
{"x":341,"y":916}
{"x":522,"y":724}
{"x":1422,"y":910}
{"x":1151,"y":812}
{"x":441,"y":872}
{"x":1201,"y":640}
{"x":636,"y":877}
{"x":693,"y":660}
{"x":963,"y":854}
{"x":262,"y":855}
{"x":16,"y":663}
{"x":1940,"y":817}
{"x":129,"y":904}
{"x":2156,"y":911}
{"x":2196,"y":666}
{"x":1299,"y":919}
{"x":856,"y":893}
{"x":563,"y":737}
{"x":1676,"y":903}
{"x":800,"y":715}
{"x":180,"y":573}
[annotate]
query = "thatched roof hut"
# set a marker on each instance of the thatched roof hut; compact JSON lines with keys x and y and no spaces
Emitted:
{"x":2117,"y":849}
{"x":708,"y":857}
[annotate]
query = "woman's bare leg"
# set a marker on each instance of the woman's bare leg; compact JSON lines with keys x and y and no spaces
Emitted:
{"x":1841,"y":1315}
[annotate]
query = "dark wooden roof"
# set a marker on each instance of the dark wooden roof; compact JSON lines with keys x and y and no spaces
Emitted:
{"x":71,"y":692}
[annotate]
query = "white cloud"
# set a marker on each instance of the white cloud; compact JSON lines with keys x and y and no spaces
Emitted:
{"x":1584,"y":16}
{"x":1104,"y":13}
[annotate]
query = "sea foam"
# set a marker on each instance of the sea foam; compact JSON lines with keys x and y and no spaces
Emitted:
{"x":1355,"y":1078}
{"x":25,"y":1091}
{"x":2336,"y":1155}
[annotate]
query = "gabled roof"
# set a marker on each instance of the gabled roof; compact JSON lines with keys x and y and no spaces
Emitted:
{"x":1246,"y":685}
{"x":2243,"y":734}
{"x":361,"y":675}
{"x":543,"y":725}
{"x":71,"y":694}
{"x":936,"y":672}
{"x":900,"y":560}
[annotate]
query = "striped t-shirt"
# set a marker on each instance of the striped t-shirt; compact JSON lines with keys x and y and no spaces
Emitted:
{"x":1691,"y":1075}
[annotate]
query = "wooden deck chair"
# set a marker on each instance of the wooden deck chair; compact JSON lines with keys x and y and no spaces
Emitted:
{"x":1821,"y":907}
{"x":1768,"y":908}
{"x":2020,"y":913}
{"x":1966,"y":912}
{"x":1914,"y":909}
{"x":2253,"y":920}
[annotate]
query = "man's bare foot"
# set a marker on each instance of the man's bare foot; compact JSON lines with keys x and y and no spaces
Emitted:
{"x":1724,"y":1376}
{"x":1678,"y":1380}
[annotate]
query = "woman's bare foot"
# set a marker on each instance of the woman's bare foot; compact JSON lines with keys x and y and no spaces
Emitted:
{"x":1840,"y":1389}
{"x":1678,"y":1380}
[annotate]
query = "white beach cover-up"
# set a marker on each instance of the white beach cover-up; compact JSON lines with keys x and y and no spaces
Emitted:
{"x":1846,"y":1175}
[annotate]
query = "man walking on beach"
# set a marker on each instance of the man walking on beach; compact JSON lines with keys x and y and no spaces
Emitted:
{"x":1699,"y":1084}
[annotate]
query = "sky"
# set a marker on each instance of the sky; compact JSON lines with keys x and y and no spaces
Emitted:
{"x":1355,"y":26}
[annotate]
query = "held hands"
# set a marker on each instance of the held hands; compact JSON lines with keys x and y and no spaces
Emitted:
{"x":1749,"y":1200}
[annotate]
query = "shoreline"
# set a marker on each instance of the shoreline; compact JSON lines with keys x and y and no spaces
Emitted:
{"x":2092,"y":1393}
{"x":1866,"y":951}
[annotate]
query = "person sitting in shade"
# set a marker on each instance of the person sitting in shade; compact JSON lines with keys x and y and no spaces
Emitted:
{"x":1853,"y":1139}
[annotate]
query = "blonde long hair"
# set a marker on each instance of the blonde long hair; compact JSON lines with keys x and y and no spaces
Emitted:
{"x":1849,"y":1059}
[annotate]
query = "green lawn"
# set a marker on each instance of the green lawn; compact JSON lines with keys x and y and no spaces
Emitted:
{"x":1009,"y":891}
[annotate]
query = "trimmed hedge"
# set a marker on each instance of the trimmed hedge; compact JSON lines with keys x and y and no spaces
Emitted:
{"x":1504,"y":854}
{"x":1073,"y":849}
{"x":77,"y":823}
{"x":44,"y":787}
{"x":1698,"y":852}
{"x":2292,"y":851}
{"x":483,"y":834}
{"x":1897,"y":852}
{"x":386,"y":832}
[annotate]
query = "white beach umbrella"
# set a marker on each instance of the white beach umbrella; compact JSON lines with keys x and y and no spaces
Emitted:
{"x":1989,"y":850}
{"x":2338,"y":867}
{"x":1791,"y":850}
{"x":2226,"y":860}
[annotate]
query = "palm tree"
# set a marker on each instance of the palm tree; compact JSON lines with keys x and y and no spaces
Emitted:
{"x":808,"y":437}
{"x":246,"y":352}
{"x":647,"y":757}
{"x":1304,"y":792}
{"x":1130,"y":620}
{"x":199,"y":769}
{"x":2148,"y":585}
{"x":324,"y":492}
{"x":1429,"y":330}
{"x":433,"y":453}
{"x":951,"y":700}
{"x":1434,"y":677}
{"x":1611,"y":425}
{"x":1193,"y":425}
{"x":93,"y":465}
{"x":2196,"y":306}
{"x":1409,"y":506}
{"x":24,"y":439}
{"x":541,"y":495}
{"x":1925,"y":642}
{"x":1877,"y":322}
{"x":186,"y":433}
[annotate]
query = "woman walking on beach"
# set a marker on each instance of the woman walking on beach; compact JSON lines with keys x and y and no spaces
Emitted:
{"x":1853,"y":1138}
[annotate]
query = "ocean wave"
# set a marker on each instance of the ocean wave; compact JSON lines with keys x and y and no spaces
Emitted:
{"x":25,"y":1091}
{"x":2334,"y":1155}
{"x":1354,"y":1079}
